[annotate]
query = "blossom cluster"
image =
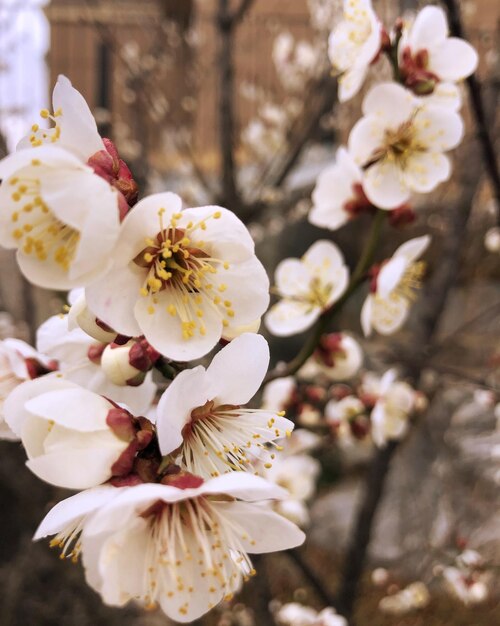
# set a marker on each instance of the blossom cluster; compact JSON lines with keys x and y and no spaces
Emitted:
{"x":176,"y":479}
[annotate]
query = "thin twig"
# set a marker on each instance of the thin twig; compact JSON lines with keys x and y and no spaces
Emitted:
{"x":312,"y":577}
{"x":476,"y":99}
{"x":241,"y":11}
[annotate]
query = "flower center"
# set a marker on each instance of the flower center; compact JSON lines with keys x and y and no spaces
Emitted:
{"x":39,"y":135}
{"x":224,"y":438}
{"x":178,"y":262}
{"x":411,"y":281}
{"x":37,"y":230}
{"x":193,"y":534}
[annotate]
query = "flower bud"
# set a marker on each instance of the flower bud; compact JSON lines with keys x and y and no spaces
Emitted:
{"x":492,"y":240}
{"x":339,"y":356}
{"x":80,"y":316}
{"x":128,"y":364}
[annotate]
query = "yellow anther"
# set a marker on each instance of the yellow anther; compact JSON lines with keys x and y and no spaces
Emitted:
{"x":222,"y":287}
{"x":148,"y":257}
{"x":217,"y":300}
{"x":226,"y":265}
{"x":35,"y":127}
{"x":199,"y":313}
{"x":16,"y":196}
{"x":44,"y":114}
{"x":230,"y":313}
{"x":203,"y":226}
{"x":35,"y":162}
{"x":281,"y":413}
{"x":225,"y":323}
{"x":171,"y":309}
{"x":151,"y":309}
{"x":15,"y":217}
{"x":17,"y":234}
{"x":217,"y":214}
{"x":227,"y":303}
{"x":143,"y":291}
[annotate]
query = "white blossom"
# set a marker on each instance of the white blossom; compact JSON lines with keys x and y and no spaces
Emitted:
{"x":64,"y":430}
{"x":400,"y":143}
{"x":392,"y":290}
{"x":184,"y":548}
{"x":413,"y":597}
{"x":294,"y":614}
{"x":395,"y":401}
{"x":338,"y":195}
{"x":179,"y":277}
{"x":308,"y":287}
{"x":60,"y":217}
{"x":295,"y":61}
{"x":470,"y":590}
{"x":200,"y":416}
{"x":354,"y":44}
{"x":428,"y":56}
{"x":339,"y":356}
{"x":492,"y":240}
{"x":278,"y":393}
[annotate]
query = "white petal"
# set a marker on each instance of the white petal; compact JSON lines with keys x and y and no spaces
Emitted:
{"x":189,"y":389}
{"x":51,"y":156}
{"x":289,"y":318}
{"x":389,"y":315}
{"x":366,"y":315}
{"x":390,"y":103}
{"x":447,"y":95}
{"x":412,"y":249}
{"x":75,"y":468}
{"x":14,"y":407}
{"x":77,"y":408}
{"x":114,"y":297}
{"x":384,"y":185}
{"x":390,"y":275}
{"x":425,"y":171}
{"x":237,"y":371}
{"x":164,"y":332}
{"x":429,"y":29}
{"x":292,"y":277}
{"x":68,"y":511}
{"x":453,"y":60}
{"x":55,"y":340}
{"x":244,"y":486}
{"x":78,"y":127}
{"x":322,"y":256}
{"x":350,"y":82}
{"x":280,"y":533}
{"x":366,"y":136}
{"x":438,"y":129}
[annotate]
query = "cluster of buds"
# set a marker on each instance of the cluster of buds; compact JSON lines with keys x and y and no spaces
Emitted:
{"x":128,"y":364}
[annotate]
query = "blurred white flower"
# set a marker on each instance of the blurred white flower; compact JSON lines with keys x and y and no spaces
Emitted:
{"x":428,"y":56}
{"x":308,"y":287}
{"x":278,"y":393}
{"x":469,"y":589}
{"x":413,"y":597}
{"x":295,"y":61}
{"x":179,"y":277}
{"x":348,"y":418}
{"x":354,"y":44}
{"x":338,"y":195}
{"x":392,"y":289}
{"x":400,"y":143}
{"x":339,"y":356}
{"x":492,"y":240}
{"x":294,"y":614}
{"x":394,"y":404}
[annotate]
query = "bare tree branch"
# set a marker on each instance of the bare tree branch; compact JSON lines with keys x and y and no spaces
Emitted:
{"x":476,"y":98}
{"x":240,"y":12}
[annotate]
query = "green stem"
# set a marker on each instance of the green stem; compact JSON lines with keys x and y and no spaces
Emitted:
{"x":323,"y":322}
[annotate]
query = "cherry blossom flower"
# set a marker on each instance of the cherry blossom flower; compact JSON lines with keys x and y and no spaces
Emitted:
{"x":339,"y":356}
{"x":200,"y":417}
{"x":295,"y":61}
{"x":338,"y":195}
{"x":400,"y":143}
{"x":294,"y":614}
{"x":183,"y":546}
{"x":348,"y":419}
{"x":308,"y":287}
{"x":492,"y":240}
{"x":79,"y":360}
{"x":179,"y":277}
{"x":73,"y":437}
{"x":354,"y":44}
{"x":392,"y":289}
{"x":469,"y":588}
{"x":60,"y":217}
{"x":278,"y":393}
{"x":395,"y":401}
{"x":80,"y":316}
{"x":75,"y":130}
{"x":428,"y":56}
{"x":18,"y":362}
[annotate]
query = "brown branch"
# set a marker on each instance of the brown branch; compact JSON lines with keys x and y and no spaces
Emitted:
{"x":477,"y":103}
{"x":312,"y":577}
{"x":240,"y":12}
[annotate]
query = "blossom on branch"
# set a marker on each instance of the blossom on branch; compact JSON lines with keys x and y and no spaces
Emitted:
{"x":427,"y":56}
{"x":180,"y":276}
{"x":73,"y":437}
{"x":400,"y":143}
{"x":308,"y":287}
{"x":183,"y":545}
{"x":338,"y":196}
{"x":200,"y":418}
{"x":392,"y":288}
{"x":60,"y":217}
{"x":294,"y":614}
{"x":354,"y":44}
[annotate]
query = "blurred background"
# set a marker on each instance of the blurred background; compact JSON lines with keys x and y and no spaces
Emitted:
{"x":243,"y":113}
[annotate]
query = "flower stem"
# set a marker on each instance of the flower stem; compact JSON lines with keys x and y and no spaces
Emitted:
{"x":358,"y":275}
